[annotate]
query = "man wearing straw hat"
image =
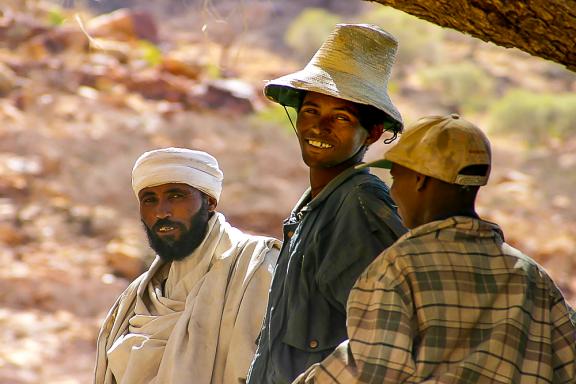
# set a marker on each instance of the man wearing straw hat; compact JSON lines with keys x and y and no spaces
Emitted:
{"x":194,"y":315}
{"x":346,"y":217}
{"x":450,"y":302}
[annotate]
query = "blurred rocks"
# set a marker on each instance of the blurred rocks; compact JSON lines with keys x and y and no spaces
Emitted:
{"x":107,"y":51}
{"x":125,"y":25}
{"x":11,"y":236}
{"x":124,"y":259}
{"x":229,"y":96}
{"x":8,"y":79}
{"x":81,"y":98}
{"x":181,"y":65}
{"x":56,"y":41}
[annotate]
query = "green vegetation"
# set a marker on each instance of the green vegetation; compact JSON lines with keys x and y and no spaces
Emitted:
{"x":150,"y":52}
{"x":535,"y":117}
{"x":462,"y":87}
{"x":56,"y":17}
{"x":418,"y":40}
{"x":309,"y":30}
{"x":276,"y":115}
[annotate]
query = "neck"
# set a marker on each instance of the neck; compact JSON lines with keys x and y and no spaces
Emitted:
{"x":441,"y":201}
{"x":468,"y":212}
{"x":320,"y":177}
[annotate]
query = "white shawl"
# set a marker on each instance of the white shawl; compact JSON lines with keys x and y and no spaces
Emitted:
{"x":201,"y":325}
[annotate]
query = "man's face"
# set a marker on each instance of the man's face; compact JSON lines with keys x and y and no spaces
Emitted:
{"x":328,"y":130}
{"x":175,"y":217}
{"x":404,"y":193}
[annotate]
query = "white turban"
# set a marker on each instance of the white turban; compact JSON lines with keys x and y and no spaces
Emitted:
{"x":178,"y":165}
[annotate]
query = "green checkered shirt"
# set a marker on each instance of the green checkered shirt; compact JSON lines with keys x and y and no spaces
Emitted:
{"x":451,"y":302}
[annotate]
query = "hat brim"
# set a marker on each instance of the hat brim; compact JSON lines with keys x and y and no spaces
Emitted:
{"x":284,"y":95}
{"x":288,"y":90}
{"x":380,"y":163}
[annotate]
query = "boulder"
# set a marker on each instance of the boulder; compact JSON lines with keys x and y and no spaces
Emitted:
{"x":8,"y":79}
{"x":124,"y":259}
{"x":124,"y":24}
{"x":231,"y":96}
{"x":182,"y":66}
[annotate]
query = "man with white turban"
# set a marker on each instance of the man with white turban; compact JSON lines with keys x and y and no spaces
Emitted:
{"x":195,"y":315}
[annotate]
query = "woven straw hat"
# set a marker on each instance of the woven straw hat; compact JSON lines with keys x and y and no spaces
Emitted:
{"x":442,"y":147}
{"x":354,"y":63}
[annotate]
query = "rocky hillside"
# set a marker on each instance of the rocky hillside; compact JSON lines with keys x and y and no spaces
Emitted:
{"x":82,"y":95}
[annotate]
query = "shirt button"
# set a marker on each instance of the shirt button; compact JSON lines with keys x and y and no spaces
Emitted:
{"x":290,"y":234}
{"x":313,"y":344}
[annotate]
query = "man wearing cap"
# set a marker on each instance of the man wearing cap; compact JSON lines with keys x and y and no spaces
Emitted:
{"x":194,"y":315}
{"x":450,"y":302}
{"x":346,"y":217}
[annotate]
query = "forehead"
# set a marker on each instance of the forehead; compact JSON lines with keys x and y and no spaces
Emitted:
{"x":330,"y":101}
{"x":164,"y":188}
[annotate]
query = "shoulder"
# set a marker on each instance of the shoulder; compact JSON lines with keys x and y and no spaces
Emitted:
{"x":361,"y":203}
{"x":364,"y":181}
{"x":258,"y":250}
{"x":525,"y":265}
{"x":360,"y":191}
{"x":404,"y":256}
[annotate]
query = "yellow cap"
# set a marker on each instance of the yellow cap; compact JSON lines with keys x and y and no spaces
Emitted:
{"x":442,"y":147}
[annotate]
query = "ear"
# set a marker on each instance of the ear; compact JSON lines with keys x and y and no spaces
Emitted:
{"x":421,"y":181}
{"x":374,"y":134}
{"x":212,"y":203}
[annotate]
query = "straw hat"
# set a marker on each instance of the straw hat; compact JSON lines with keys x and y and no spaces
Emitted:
{"x":354,"y":64}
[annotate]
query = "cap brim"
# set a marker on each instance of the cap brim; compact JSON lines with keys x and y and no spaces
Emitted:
{"x":380,"y":163}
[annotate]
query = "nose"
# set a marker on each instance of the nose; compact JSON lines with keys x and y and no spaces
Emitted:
{"x":163,"y":209}
{"x":323,"y":123}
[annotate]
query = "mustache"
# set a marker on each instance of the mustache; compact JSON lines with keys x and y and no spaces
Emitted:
{"x":167,"y":222}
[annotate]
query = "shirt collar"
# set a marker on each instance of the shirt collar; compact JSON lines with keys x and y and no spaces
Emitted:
{"x":478,"y":227}
{"x":306,"y":203}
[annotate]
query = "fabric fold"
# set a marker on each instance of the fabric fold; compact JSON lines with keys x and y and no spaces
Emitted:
{"x":175,"y":323}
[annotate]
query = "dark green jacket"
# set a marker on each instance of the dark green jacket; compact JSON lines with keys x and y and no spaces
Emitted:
{"x":328,"y":242}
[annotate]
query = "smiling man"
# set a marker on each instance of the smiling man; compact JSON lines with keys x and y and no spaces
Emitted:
{"x":346,"y":217}
{"x":194,"y":315}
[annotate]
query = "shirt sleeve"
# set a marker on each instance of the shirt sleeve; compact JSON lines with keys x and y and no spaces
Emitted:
{"x":379,"y":326}
{"x":366,"y":224}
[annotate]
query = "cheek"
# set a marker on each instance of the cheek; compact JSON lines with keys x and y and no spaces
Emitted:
{"x":357,"y":137}
{"x":396,"y":196}
{"x":147,"y":216}
{"x":394,"y":191}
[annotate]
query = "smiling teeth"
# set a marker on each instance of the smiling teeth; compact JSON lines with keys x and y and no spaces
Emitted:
{"x":319,"y":144}
{"x":165,"y":229}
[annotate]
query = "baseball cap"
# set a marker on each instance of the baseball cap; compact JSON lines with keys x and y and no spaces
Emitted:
{"x":442,"y":147}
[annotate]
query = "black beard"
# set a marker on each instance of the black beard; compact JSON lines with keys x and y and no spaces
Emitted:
{"x":188,"y":241}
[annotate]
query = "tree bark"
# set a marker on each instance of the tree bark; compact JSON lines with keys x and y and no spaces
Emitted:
{"x":544,"y":28}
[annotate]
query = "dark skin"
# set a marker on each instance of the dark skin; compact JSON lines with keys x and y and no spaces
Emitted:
{"x":422,"y":199}
{"x":175,"y":202}
{"x":331,"y":137}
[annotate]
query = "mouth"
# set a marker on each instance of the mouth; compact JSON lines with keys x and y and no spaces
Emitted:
{"x":164,"y":229}
{"x":318,"y":144}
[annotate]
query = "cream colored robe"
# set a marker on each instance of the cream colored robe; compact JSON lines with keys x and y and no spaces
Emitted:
{"x":201,"y":325}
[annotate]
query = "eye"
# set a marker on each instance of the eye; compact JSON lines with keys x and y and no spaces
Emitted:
{"x":176,"y":196}
{"x":342,"y":117}
{"x":309,"y":110}
{"x":148,"y":200}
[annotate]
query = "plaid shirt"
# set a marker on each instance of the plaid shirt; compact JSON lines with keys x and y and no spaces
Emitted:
{"x":451,"y":302}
